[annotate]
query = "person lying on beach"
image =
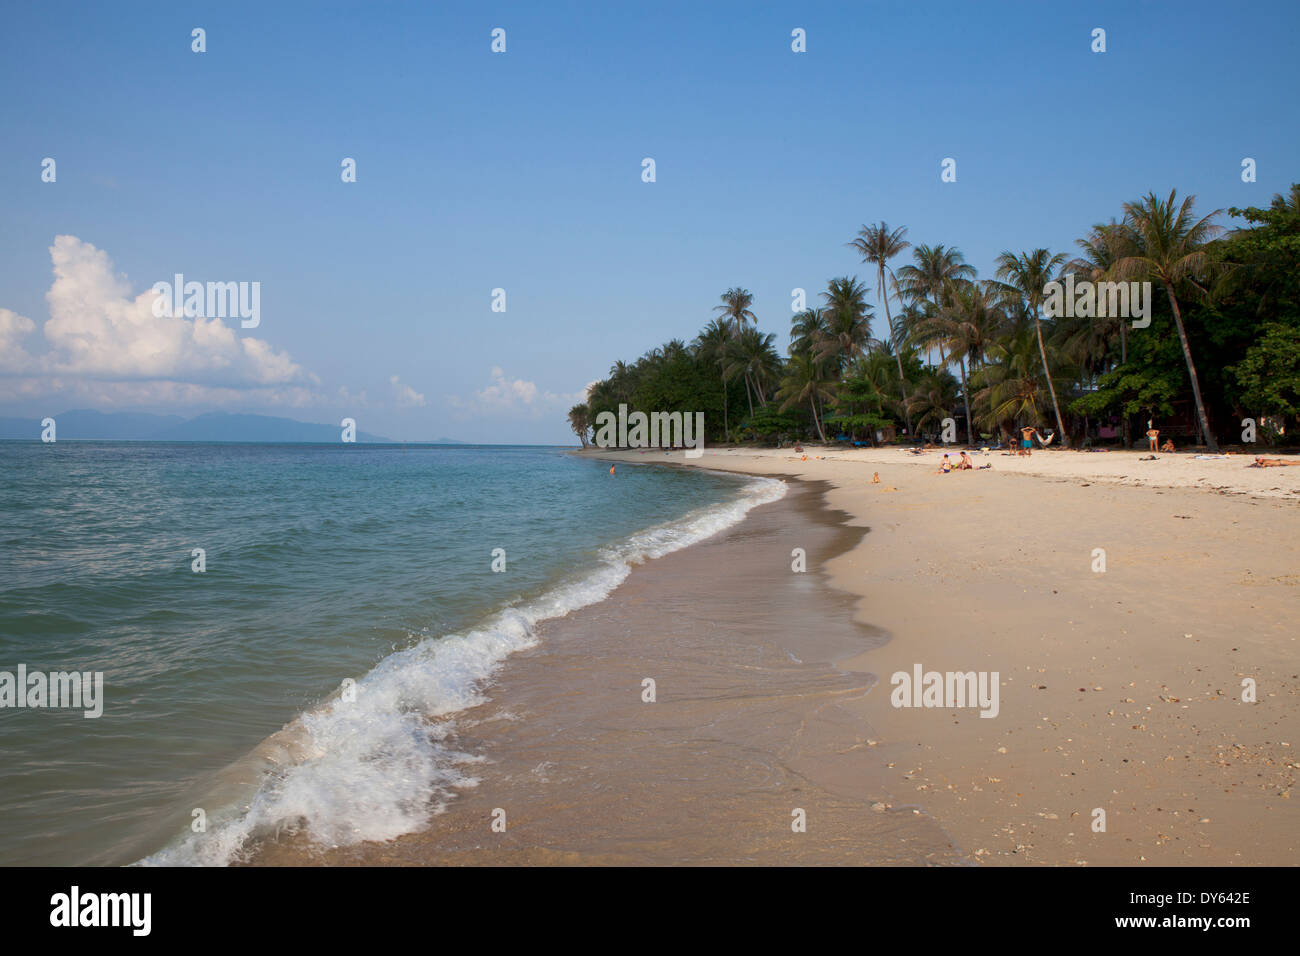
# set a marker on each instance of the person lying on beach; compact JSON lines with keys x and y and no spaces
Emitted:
{"x":965,"y":464}
{"x":1271,"y":463}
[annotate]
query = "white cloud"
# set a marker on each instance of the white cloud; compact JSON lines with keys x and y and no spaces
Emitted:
{"x":405,"y":396}
{"x":507,"y":393}
{"x":515,"y":397}
{"x":14,"y":328}
{"x":98,"y":332}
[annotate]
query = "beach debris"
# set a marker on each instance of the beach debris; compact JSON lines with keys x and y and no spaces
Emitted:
{"x":1002,"y":750}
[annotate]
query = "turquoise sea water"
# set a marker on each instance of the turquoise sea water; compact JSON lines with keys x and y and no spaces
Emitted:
{"x":323,"y":563}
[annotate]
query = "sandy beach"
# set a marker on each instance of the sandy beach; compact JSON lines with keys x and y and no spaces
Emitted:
{"x":1120,"y":690}
{"x":747,"y":726}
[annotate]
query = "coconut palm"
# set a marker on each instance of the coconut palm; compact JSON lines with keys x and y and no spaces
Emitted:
{"x":735,"y":308}
{"x":1011,"y":387}
{"x":877,"y":245}
{"x":806,"y":380}
{"x":966,"y":326}
{"x":1167,"y":247}
{"x":928,"y":279}
{"x":752,"y":354}
{"x":1028,"y":273}
{"x":580,"y":422}
{"x":1102,"y":248}
{"x":848,"y":322}
{"x":807,"y":329}
{"x":711,"y":348}
{"x":933,"y":397}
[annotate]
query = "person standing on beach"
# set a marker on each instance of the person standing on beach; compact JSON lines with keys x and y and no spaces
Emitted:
{"x":1153,"y":436}
{"x":1027,"y":440}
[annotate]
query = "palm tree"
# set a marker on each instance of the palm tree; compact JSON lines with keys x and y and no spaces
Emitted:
{"x":848,"y":321}
{"x":1102,"y":248}
{"x":1168,"y":248}
{"x":936,"y":267}
{"x":580,"y":422}
{"x":933,"y":397}
{"x":711,"y":347}
{"x":877,"y":245}
{"x":807,"y":329}
{"x":1010,"y":387}
{"x":1027,"y":274}
{"x":735,"y":308}
{"x":752,"y":354}
{"x":966,"y":326}
{"x":805,"y":381}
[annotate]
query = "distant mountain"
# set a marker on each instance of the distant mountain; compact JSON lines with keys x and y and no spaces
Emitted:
{"x":132,"y":426}
{"x":220,"y":426}
{"x":84,"y":423}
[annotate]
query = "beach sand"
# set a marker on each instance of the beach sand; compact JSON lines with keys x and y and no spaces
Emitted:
{"x":747,"y":726}
{"x":1120,"y":690}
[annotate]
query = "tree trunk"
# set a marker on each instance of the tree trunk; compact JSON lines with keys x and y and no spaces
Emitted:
{"x":898,"y":350}
{"x":817,"y":421}
{"x":726,"y":422}
{"x":1191,"y":372}
{"x":965,"y":394}
{"x":1056,"y":408}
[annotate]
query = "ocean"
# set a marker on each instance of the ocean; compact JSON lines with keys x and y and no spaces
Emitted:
{"x":308,"y":678}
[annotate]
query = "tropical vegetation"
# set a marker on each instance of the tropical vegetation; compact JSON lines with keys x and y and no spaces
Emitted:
{"x":974,"y":359}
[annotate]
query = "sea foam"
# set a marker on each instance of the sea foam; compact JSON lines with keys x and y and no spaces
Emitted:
{"x":379,"y":766}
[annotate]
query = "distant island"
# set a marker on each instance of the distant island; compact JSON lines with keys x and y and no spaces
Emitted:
{"x":88,"y":425}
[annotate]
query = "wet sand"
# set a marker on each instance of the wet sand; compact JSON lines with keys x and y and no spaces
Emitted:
{"x":749,"y":724}
{"x":1121,"y":689}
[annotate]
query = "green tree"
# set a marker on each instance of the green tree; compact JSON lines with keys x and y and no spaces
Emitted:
{"x":1166,"y":246}
{"x":877,"y":245}
{"x":1027,"y":274}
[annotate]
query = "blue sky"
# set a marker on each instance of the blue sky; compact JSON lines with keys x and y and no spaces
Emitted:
{"x":522,"y":171}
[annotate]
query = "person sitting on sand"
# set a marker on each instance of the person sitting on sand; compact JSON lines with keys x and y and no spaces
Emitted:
{"x":1153,"y":436}
{"x":1261,"y":462}
{"x":945,"y":467}
{"x":1168,"y":446}
{"x":966,"y":464}
{"x":875,"y":477}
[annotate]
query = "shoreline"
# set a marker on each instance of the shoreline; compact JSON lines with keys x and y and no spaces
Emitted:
{"x":1120,"y":690}
{"x":748,"y":725}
